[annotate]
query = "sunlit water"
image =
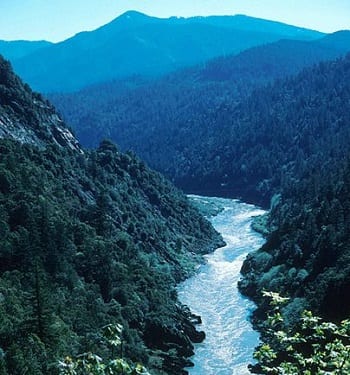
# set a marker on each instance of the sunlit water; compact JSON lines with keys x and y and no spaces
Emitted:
{"x":213,"y":294}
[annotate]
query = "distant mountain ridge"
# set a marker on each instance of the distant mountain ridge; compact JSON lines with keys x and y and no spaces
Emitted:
{"x":176,"y":123}
{"x":19,"y":48}
{"x":244,"y":23}
{"x":135,"y":43}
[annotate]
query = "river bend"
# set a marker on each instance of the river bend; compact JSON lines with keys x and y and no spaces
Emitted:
{"x":212,"y":293}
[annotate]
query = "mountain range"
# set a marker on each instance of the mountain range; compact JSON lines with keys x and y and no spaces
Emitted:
{"x":270,"y":125}
{"x":17,"y":49}
{"x":135,"y":43}
{"x":177,"y":123}
{"x":94,"y":237}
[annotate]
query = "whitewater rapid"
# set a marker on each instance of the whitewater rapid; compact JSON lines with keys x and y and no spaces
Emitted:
{"x":212,"y":293}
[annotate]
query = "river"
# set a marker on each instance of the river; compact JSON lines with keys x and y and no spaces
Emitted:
{"x":212,"y":293}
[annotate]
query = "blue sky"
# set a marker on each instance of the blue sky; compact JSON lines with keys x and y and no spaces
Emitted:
{"x":56,"y":20}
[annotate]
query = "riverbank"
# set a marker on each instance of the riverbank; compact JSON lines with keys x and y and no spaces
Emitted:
{"x":212,"y":293}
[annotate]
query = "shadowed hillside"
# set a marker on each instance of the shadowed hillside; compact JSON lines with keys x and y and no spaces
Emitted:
{"x":88,"y":238}
{"x":200,"y":125}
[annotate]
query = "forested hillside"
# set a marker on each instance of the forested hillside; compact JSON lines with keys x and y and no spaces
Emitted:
{"x":88,"y":238}
{"x":290,"y":141}
{"x":306,"y":256}
{"x":135,"y":43}
{"x":202,"y":127}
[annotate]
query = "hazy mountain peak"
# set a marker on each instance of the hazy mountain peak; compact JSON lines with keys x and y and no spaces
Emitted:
{"x":133,"y":14}
{"x":129,"y":19}
{"x":244,"y":22}
{"x":135,"y":43}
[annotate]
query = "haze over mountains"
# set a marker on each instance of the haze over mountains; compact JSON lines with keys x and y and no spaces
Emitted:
{"x":176,"y":123}
{"x":13,"y":50}
{"x":91,"y":237}
{"x":135,"y":43}
{"x":269,"y":122}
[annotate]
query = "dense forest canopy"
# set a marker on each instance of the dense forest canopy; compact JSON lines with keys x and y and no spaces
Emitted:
{"x":89,"y":238}
{"x":209,"y":128}
{"x":289,"y":141}
{"x":95,"y":237}
{"x":306,"y":255}
{"x":249,"y":135}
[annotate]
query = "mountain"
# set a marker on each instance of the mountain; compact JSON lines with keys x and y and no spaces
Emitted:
{"x":88,"y":238}
{"x":284,"y":144}
{"x":339,"y":40}
{"x":27,"y":117}
{"x":138,"y":44}
{"x":185,"y":124}
{"x":245,"y":23}
{"x":303,"y":138}
{"x":17,"y":49}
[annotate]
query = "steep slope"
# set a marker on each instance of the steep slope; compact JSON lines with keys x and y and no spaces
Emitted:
{"x":19,"y":48}
{"x":303,"y":123}
{"x":26,"y":117}
{"x":289,"y":141}
{"x":189,"y":125}
{"x":138,"y":44}
{"x":88,"y":239}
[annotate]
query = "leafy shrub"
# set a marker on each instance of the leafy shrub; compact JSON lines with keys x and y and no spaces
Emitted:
{"x":311,"y":347}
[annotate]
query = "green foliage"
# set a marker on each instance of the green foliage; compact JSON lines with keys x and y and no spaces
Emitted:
{"x":306,"y":255}
{"x":89,"y":363}
{"x":216,"y":128}
{"x":84,"y":243}
{"x":70,"y":263}
{"x":92,"y":364}
{"x":312,"y":346}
